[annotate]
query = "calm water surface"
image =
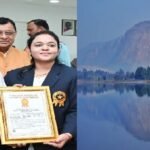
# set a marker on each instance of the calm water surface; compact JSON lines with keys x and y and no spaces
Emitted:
{"x":113,"y":117}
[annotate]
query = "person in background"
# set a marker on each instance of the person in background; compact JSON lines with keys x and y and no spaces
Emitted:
{"x":64,"y":56}
{"x":10,"y":57}
{"x":34,"y":26}
{"x":47,"y":71}
{"x":38,"y":25}
{"x":74,"y":63}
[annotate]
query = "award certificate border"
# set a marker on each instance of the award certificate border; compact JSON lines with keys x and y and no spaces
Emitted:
{"x":3,"y":123}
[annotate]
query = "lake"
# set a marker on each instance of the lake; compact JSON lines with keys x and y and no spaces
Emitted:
{"x":114,"y":116}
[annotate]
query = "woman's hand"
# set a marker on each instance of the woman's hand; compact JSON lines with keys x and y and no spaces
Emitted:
{"x":60,"y":141}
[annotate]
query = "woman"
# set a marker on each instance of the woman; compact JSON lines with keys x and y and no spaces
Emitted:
{"x":46,"y":71}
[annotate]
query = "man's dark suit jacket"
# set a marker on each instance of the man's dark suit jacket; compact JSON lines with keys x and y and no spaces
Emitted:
{"x":60,"y":78}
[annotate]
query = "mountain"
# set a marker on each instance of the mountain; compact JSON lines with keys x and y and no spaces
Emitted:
{"x":127,"y":52}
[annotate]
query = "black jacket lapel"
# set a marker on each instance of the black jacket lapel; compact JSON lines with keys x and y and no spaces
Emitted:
{"x":53,"y":76}
{"x":29,"y":77}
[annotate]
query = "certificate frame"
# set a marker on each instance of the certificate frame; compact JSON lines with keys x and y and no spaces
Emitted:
{"x":29,"y":95}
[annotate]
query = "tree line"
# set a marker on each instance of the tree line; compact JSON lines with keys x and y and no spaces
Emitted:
{"x":141,"y":73}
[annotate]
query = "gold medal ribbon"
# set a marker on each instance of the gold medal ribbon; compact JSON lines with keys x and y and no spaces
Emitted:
{"x":59,"y":98}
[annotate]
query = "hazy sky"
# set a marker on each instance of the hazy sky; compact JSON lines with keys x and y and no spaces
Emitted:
{"x":103,"y":20}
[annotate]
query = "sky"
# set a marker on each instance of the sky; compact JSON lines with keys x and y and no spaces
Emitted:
{"x":104,"y":20}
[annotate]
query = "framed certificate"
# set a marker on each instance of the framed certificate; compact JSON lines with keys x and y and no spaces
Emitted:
{"x":27,"y":115}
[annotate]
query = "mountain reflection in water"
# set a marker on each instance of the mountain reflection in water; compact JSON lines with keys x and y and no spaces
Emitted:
{"x":116,"y":116}
{"x":140,"y":89}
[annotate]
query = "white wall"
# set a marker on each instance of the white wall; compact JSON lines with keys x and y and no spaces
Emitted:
{"x":22,"y":13}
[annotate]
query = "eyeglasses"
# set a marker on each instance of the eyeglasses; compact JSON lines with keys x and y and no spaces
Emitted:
{"x":7,"y":33}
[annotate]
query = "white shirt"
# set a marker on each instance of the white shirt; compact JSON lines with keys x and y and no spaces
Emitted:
{"x":38,"y":80}
{"x":2,"y":82}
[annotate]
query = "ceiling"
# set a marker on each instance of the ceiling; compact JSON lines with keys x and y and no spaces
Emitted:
{"x":63,"y":3}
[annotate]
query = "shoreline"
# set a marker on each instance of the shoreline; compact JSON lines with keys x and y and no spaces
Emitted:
{"x":114,"y":82}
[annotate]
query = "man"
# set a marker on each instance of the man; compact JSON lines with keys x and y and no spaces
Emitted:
{"x":68,"y":28}
{"x":10,"y":57}
{"x":38,"y":25}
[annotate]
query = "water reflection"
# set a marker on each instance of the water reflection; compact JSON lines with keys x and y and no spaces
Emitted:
{"x":140,"y":89}
{"x":112,"y":113}
{"x":134,"y":116}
